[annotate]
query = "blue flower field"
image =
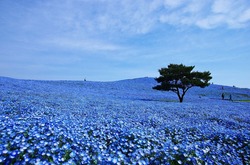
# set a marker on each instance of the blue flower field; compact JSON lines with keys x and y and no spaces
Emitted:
{"x":122,"y":122}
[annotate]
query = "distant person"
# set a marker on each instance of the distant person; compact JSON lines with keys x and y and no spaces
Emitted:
{"x":230,"y":97}
{"x":223,"y":96}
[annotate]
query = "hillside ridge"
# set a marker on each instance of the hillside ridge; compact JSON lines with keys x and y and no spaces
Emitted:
{"x":133,"y":86}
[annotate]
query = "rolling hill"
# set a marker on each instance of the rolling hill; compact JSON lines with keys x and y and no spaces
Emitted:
{"x":121,"y":122}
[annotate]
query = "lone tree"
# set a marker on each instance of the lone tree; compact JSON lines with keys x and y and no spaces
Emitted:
{"x":180,"y":78}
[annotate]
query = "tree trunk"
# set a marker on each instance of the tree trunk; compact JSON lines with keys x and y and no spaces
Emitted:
{"x":180,"y":96}
{"x":181,"y":99}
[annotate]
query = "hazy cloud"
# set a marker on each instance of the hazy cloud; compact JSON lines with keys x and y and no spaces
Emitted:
{"x":81,"y":44}
{"x":209,"y":14}
{"x":127,"y":34}
{"x":222,"y":6}
{"x":245,"y":16}
{"x":173,"y":4}
{"x":133,"y":17}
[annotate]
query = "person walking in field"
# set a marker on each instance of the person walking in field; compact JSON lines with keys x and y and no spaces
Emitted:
{"x":223,"y":96}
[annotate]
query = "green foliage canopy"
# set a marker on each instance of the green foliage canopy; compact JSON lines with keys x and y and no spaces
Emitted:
{"x":180,"y":78}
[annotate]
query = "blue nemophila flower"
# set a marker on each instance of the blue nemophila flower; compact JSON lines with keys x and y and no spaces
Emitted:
{"x":82,"y":126}
{"x":13,"y":154}
{"x":2,"y":159}
{"x":5,"y":151}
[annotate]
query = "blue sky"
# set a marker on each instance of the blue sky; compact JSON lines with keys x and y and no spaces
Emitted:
{"x":106,"y":40}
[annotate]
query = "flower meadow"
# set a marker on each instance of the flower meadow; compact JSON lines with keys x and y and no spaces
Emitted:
{"x":121,"y":122}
